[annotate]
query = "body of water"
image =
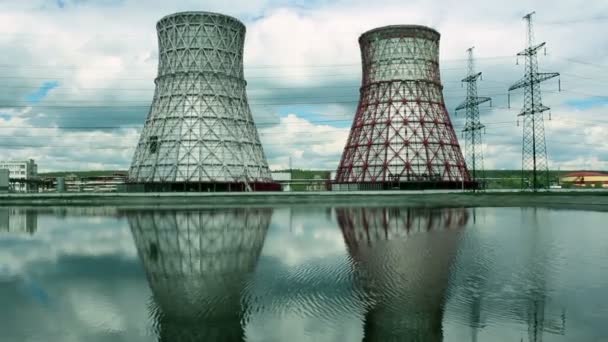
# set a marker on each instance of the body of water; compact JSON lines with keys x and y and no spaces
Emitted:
{"x":303,"y":274}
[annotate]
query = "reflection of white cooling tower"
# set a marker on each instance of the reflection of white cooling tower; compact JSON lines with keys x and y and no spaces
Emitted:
{"x":197,"y":263}
{"x":200,"y":133}
{"x":403,"y":257}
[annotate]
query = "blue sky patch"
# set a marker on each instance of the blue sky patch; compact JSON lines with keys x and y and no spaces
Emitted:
{"x":36,"y":292}
{"x":589,"y":102}
{"x":315,"y":114}
{"x":42,"y":92}
{"x":62,"y":4}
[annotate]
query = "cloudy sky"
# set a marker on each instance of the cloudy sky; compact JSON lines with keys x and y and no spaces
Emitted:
{"x":78,"y":74}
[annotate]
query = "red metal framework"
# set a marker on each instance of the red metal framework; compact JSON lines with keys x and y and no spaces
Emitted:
{"x":402,"y":135}
{"x":365,"y":227}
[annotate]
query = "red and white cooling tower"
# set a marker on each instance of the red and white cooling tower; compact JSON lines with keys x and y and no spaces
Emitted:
{"x":401,"y":136}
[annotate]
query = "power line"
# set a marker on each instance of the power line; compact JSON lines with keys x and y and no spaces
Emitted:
{"x":144,"y":103}
{"x":247,"y":66}
{"x":142,"y":79}
{"x":80,"y":147}
{"x":71,"y":104}
{"x":578,"y":61}
{"x":355,"y":65}
{"x":124,"y":107}
{"x":279,"y":76}
{"x":576,"y":21}
{"x":252,"y":88}
{"x":263,"y":123}
{"x":489,"y":125}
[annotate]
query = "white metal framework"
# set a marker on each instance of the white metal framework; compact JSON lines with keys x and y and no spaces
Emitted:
{"x":200,"y":128}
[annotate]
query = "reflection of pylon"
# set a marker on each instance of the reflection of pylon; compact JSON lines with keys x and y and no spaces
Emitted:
{"x":473,"y":127}
{"x":534,"y":152}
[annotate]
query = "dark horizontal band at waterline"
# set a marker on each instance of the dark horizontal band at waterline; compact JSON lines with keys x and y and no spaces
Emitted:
{"x":593,"y":200}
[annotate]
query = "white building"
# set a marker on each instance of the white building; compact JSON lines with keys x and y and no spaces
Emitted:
{"x":100,"y":183}
{"x":4,"y":180}
{"x":284,"y":178}
{"x":21,"y":170}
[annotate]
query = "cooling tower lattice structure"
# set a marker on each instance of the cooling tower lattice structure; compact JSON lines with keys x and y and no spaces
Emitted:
{"x":198,"y":264}
{"x":200,"y":134}
{"x":401,"y":136}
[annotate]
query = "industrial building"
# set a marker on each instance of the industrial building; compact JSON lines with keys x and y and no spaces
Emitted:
{"x":401,"y":136}
{"x":586,"y":179}
{"x":109,"y":182}
{"x":23,"y":175}
{"x":4,"y":180}
{"x":283,"y":178}
{"x":200,"y":134}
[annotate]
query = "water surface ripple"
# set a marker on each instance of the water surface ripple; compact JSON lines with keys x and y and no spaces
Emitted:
{"x":303,"y":274}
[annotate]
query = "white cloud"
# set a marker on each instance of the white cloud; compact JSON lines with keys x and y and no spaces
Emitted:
{"x":104,"y":53}
{"x":308,"y":144}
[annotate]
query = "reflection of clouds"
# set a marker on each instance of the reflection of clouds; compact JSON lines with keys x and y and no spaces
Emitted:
{"x":57,"y":237}
{"x":198,"y":264}
{"x":96,"y":312}
{"x":302,"y":235}
{"x":527,"y":270}
{"x":317,"y":292}
{"x":384,"y":278}
{"x":303,"y":287}
{"x":75,"y":279}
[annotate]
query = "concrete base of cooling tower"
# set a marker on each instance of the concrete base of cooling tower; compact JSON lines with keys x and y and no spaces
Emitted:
{"x":203,"y":187}
{"x":423,"y":185}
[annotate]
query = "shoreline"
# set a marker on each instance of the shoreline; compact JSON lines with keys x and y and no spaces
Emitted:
{"x":591,"y":199}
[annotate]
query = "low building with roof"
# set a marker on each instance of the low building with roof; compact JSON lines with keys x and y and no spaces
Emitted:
{"x":23,"y":174}
{"x":86,"y":181}
{"x":592,"y":179}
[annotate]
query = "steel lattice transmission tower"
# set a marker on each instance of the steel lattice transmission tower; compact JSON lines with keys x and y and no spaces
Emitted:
{"x":401,"y":136}
{"x":473,"y":127}
{"x":535,"y":172}
{"x":200,"y":134}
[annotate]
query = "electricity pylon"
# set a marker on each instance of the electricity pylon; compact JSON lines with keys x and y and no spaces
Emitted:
{"x":534,"y":150}
{"x":473,"y":126}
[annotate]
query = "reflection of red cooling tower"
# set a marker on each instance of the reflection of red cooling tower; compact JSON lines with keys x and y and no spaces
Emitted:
{"x":403,"y":259}
{"x":402,"y":136}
